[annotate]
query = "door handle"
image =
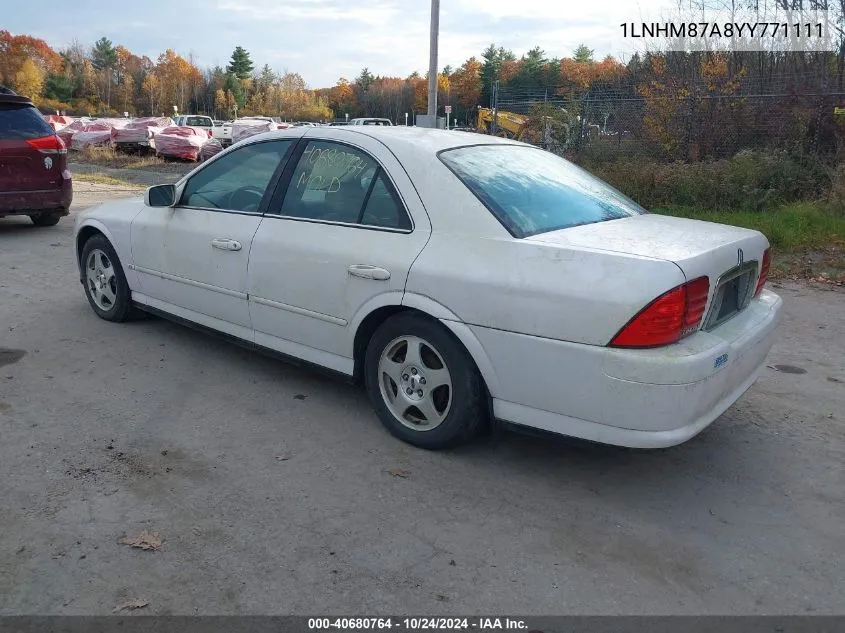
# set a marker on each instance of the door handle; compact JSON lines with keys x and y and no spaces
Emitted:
{"x":365,"y":271}
{"x":225,"y":244}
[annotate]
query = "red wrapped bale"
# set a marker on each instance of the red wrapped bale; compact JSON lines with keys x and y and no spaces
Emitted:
{"x":57,"y":122}
{"x":140,"y":131}
{"x":183,"y":142}
{"x":103,"y":126}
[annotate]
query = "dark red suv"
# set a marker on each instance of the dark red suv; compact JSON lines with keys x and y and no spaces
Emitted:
{"x":34,"y":179}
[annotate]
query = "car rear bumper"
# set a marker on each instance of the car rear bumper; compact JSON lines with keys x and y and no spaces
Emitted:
{"x":26,"y":202}
{"x":639,"y":398}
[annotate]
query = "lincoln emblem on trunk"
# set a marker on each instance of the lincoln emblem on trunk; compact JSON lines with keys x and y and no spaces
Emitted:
{"x":740,"y":257}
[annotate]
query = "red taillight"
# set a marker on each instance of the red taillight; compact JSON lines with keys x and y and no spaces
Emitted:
{"x":764,"y":271}
{"x":48,"y":144}
{"x":667,"y":319}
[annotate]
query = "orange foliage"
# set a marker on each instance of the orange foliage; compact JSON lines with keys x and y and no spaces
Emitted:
{"x":466,"y":83}
{"x":16,"y":49}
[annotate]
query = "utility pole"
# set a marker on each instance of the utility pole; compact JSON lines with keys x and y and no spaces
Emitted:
{"x":432,"y":63}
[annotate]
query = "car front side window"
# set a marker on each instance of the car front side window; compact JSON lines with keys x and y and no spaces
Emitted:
{"x":238,"y":180}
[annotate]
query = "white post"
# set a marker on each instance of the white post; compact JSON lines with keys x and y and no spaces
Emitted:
{"x":447,"y":120}
{"x":406,"y":119}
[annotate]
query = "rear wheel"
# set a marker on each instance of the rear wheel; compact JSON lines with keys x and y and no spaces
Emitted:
{"x":423,"y":384}
{"x":105,"y":283}
{"x":47,"y":218}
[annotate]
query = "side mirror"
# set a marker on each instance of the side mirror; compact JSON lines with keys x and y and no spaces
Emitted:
{"x":160,"y":196}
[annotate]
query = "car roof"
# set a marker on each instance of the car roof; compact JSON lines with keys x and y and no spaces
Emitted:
{"x":15,"y":99}
{"x":410,"y":140}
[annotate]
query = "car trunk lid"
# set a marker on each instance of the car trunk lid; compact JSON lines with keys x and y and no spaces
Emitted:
{"x":729,"y":256}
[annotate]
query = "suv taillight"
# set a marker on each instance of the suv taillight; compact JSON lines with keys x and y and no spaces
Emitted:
{"x":48,"y":144}
{"x":669,"y":318}
{"x":764,"y":271}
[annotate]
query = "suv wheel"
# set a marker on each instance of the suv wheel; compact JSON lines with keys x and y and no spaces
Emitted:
{"x":46,"y":218}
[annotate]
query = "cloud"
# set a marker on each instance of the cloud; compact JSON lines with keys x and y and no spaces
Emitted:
{"x":326,"y":39}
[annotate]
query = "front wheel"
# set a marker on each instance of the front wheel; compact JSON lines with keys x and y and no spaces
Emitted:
{"x":423,"y":384}
{"x":105,"y":284}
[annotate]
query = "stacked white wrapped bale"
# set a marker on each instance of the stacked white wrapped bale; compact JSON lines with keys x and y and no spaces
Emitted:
{"x":244,"y":128}
{"x":81,"y":134}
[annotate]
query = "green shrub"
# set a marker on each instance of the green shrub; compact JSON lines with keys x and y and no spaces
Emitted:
{"x":752,"y":180}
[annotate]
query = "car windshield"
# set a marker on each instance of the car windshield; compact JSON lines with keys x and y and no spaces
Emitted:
{"x":533,"y":191}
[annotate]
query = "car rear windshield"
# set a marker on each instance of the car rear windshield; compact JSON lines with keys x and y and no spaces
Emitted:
{"x":533,"y":191}
{"x":22,"y":122}
{"x":200,"y":121}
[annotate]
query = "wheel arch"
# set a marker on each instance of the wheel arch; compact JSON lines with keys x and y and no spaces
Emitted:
{"x":86,"y":232}
{"x":370,"y":319}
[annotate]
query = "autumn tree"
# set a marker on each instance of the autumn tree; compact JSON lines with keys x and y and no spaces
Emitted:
{"x":29,"y":80}
{"x":241,"y":64}
{"x":16,"y":49}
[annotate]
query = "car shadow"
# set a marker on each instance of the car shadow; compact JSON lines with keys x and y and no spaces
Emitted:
{"x":718,"y":453}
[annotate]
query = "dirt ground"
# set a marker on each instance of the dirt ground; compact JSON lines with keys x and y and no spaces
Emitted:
{"x":260,"y":488}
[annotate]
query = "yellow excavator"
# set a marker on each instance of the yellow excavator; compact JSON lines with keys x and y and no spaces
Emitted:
{"x":509,"y":124}
{"x":552,"y":134}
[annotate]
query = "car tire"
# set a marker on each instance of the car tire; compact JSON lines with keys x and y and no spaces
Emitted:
{"x":99,"y":262}
{"x":460,"y":406}
{"x":46,"y":218}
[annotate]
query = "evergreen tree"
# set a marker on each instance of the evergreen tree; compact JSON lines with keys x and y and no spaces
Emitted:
{"x":241,"y":64}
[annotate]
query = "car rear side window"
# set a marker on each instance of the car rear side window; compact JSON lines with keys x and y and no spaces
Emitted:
{"x":533,"y":191}
{"x":338,"y":183}
{"x":22,"y":122}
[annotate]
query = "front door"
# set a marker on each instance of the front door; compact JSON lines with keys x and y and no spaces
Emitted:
{"x":341,"y":236}
{"x":192,"y":258}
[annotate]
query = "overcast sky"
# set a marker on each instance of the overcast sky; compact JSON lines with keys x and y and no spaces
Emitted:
{"x":327,"y":39}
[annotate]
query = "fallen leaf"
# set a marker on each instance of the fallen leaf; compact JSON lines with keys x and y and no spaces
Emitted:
{"x":131,"y":605}
{"x":283,"y":457}
{"x":300,"y":396}
{"x":399,"y":472}
{"x":146,"y":540}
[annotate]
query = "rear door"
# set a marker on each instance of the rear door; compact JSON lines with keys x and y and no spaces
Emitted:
{"x":339,"y":240}
{"x":29,"y":154}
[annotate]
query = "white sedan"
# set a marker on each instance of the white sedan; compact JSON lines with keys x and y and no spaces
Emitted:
{"x":462,"y":278}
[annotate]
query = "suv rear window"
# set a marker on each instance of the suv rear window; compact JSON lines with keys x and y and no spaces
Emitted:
{"x":532,"y":191}
{"x":200,"y":121}
{"x":22,"y":122}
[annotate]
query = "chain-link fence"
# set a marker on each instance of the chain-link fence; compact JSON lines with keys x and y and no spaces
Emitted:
{"x":688,"y":123}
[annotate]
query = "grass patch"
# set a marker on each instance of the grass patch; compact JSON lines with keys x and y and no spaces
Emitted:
{"x":800,"y":225}
{"x":108,"y":157}
{"x":102,"y":179}
{"x":750,"y":181}
{"x":808,"y":237}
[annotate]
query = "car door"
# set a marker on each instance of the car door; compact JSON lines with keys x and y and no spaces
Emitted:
{"x":340,"y":235}
{"x":192,"y":258}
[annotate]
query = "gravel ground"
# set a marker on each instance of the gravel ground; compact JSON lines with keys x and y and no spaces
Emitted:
{"x":270,"y":489}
